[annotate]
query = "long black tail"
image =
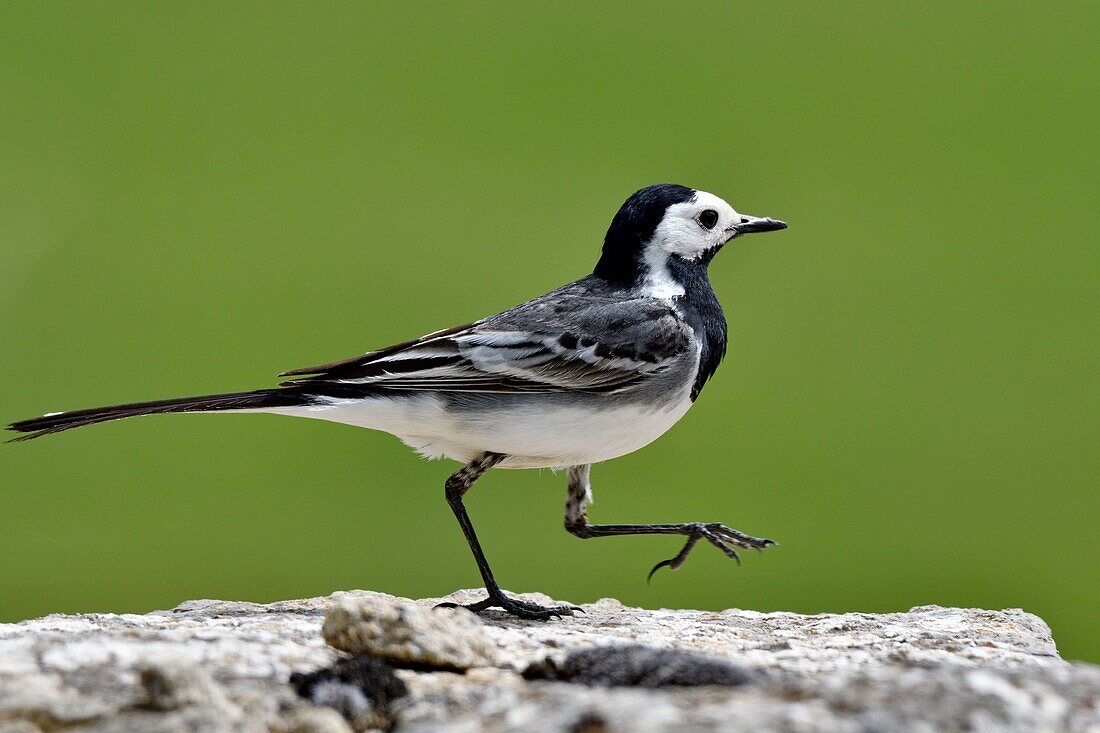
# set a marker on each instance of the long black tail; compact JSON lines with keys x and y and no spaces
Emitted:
{"x":55,"y":423}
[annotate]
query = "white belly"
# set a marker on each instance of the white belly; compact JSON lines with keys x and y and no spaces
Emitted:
{"x":535,"y":435}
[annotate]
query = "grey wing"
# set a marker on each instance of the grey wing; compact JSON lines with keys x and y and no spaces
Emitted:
{"x":567,"y":344}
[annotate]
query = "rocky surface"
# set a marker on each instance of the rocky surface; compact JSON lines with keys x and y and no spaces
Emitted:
{"x":407,"y":634}
{"x":227,"y":666}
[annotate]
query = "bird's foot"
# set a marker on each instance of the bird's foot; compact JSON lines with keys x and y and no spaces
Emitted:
{"x":522,"y":609}
{"x":723,"y":537}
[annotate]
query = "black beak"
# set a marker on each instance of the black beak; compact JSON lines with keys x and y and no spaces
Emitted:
{"x":753,"y":224}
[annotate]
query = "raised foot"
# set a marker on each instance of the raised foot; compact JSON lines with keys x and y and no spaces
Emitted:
{"x":723,"y":537}
{"x":522,"y":609}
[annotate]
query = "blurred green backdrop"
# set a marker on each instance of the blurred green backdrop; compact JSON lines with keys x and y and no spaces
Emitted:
{"x":195,"y":196}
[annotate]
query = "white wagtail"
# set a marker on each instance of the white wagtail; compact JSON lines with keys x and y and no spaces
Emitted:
{"x":589,"y":372}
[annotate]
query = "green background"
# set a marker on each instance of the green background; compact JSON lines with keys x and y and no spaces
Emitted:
{"x":194,"y":197}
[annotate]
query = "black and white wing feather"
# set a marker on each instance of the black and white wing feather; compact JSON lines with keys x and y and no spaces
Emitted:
{"x":564,"y":342}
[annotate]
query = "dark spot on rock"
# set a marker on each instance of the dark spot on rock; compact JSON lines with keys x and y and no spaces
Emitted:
{"x":356,"y":686}
{"x":639,"y":666}
{"x":590,"y":722}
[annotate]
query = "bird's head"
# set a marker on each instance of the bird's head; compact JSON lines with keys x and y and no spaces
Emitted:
{"x":667,"y":224}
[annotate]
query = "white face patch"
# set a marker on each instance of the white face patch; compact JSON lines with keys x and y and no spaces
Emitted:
{"x":684,"y":232}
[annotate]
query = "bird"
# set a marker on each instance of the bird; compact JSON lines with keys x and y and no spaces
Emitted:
{"x":586,"y":373}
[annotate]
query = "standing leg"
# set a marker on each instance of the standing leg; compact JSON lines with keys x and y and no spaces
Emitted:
{"x":456,"y":487}
{"x":719,"y":535}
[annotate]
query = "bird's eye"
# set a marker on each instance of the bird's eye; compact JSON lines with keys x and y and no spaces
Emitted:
{"x":708,"y":218}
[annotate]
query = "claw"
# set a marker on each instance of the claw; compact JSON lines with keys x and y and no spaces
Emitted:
{"x":766,"y":544}
{"x":658,"y":566}
{"x":674,"y":562}
{"x":731,"y":553}
{"x":521,"y":609}
{"x":723,"y":537}
{"x":738,"y":539}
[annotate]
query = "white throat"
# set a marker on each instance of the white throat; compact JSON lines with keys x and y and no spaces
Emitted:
{"x":659,"y":282}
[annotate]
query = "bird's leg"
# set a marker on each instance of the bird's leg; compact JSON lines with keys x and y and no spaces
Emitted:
{"x":719,"y":535}
{"x":456,"y":487}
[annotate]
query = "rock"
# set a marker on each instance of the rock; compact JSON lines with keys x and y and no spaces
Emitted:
{"x":169,"y":685}
{"x":206,"y":665}
{"x":312,"y":720}
{"x":226,"y":666}
{"x":407,"y":634}
{"x":19,"y":726}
